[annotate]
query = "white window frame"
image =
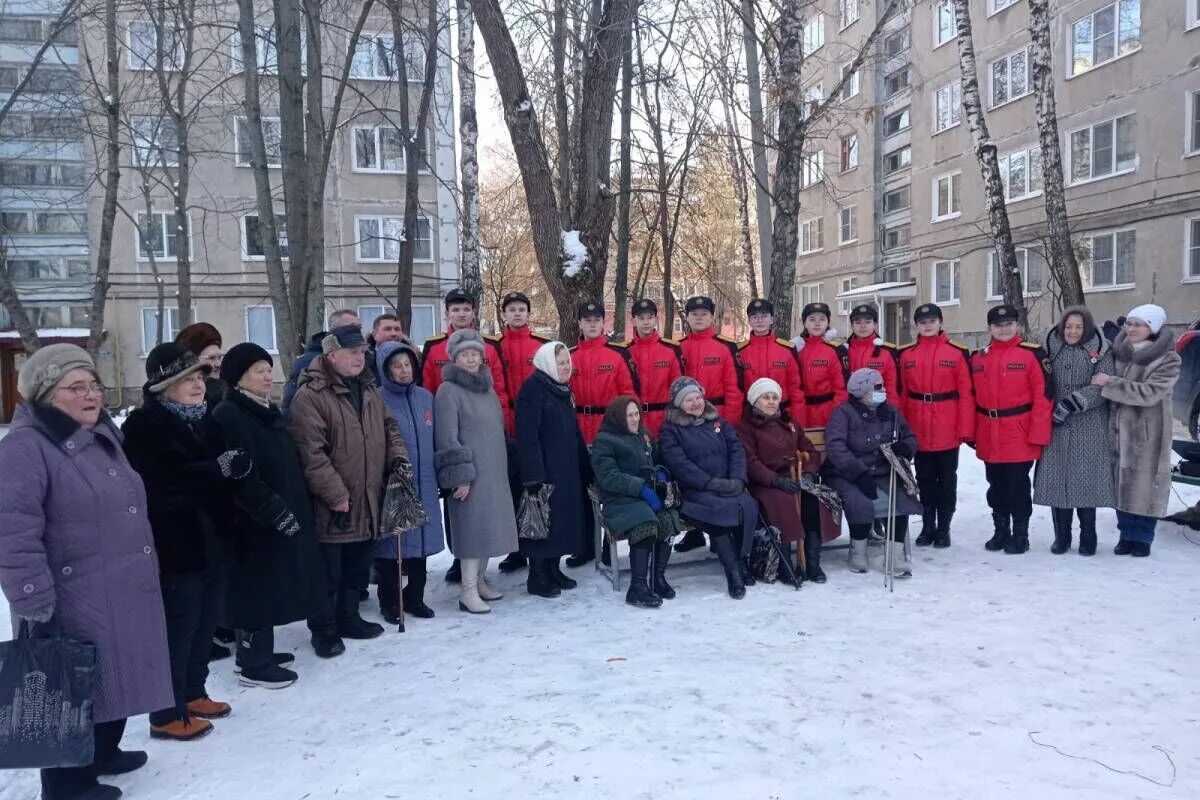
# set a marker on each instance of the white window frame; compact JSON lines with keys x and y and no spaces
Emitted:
{"x":813,"y":97}
{"x":811,"y":235}
{"x":953,"y":196}
{"x":810,"y":293}
{"x":902,"y":167}
{"x":382,"y":258}
{"x":170,"y":326}
{"x":1086,"y":269}
{"x":851,"y":223}
{"x":847,"y":284}
{"x":907,"y":188}
{"x":995,"y":292}
{"x":415,"y":70}
{"x":1191,"y":245}
{"x":1116,"y":5}
{"x":812,"y":34}
{"x":266,"y":50}
{"x":1005,"y":162}
{"x":273,"y":348}
{"x":1007,"y":60}
{"x":280,"y":220}
{"x":812,"y":169}
{"x":996,"y":6}
{"x":955,"y":267}
{"x":423,"y":313}
{"x":368,"y":318}
{"x":137,"y":64}
{"x":167,"y":217}
{"x":1191,"y":120}
{"x":241,"y":159}
{"x":854,"y":148}
{"x":898,"y":131}
{"x":938,"y":7}
{"x":1070,"y":172}
{"x":851,"y":87}
{"x":378,"y":145}
{"x":1193,"y":14}
{"x":846,"y":8}
{"x":146,"y":153}
{"x":956,"y":111}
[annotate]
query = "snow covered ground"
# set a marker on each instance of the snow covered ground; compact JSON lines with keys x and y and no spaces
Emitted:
{"x":842,"y":690}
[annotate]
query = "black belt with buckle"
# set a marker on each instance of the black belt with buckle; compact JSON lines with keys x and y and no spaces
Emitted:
{"x":590,"y":410}
{"x":997,"y":413}
{"x":818,"y":399}
{"x":927,"y":397}
{"x":654,"y":407}
{"x":716,"y":401}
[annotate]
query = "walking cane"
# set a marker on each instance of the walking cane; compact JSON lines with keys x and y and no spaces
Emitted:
{"x":889,"y":580}
{"x":400,"y":582}
{"x":803,"y":559}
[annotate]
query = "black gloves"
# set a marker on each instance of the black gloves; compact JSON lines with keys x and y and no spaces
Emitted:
{"x":286,"y":523}
{"x":235,"y":464}
{"x":533,"y":487}
{"x":866,"y":485}
{"x":726,"y":487}
{"x":402,"y":466}
{"x":1066,"y":407}
{"x":785,"y":484}
{"x":903,"y":449}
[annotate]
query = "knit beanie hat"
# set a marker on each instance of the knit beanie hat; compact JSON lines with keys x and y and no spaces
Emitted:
{"x":1154,"y":316}
{"x":240,"y":358}
{"x":344,"y":336}
{"x":197,"y":336}
{"x":465,"y":339}
{"x":863,"y":382}
{"x":683,"y":386}
{"x":761,"y":387}
{"x":42,"y":371}
{"x":171,"y":362}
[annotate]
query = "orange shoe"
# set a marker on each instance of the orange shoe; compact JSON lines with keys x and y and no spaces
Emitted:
{"x":207,"y":708}
{"x":182,"y":730}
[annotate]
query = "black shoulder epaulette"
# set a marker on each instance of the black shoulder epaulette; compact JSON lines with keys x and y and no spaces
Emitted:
{"x":430,"y":342}
{"x":785,"y":342}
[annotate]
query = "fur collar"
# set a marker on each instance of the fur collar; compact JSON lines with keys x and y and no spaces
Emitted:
{"x":680,"y":417}
{"x":1156,"y":349}
{"x":478,"y":382}
{"x":758,"y":419}
{"x":1093,"y":342}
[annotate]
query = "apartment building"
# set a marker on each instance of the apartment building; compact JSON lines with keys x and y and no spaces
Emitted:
{"x":894,"y":214}
{"x":363,"y":198}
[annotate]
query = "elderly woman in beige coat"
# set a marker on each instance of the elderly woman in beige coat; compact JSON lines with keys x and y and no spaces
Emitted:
{"x":1139,"y":394}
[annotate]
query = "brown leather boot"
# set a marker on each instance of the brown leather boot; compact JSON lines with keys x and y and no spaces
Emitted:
{"x":182,"y":730}
{"x":207,"y":708}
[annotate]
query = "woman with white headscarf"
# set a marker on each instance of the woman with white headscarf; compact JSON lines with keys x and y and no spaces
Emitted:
{"x":551,"y":451}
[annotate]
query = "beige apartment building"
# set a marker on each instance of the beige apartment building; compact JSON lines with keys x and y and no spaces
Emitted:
{"x":52,"y":261}
{"x":893,"y":213}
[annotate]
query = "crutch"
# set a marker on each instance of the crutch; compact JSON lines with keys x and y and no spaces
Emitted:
{"x":889,"y":580}
{"x":800,"y":515}
{"x":785,"y":557}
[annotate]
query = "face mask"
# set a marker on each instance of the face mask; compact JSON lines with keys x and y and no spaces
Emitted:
{"x":878,"y":398}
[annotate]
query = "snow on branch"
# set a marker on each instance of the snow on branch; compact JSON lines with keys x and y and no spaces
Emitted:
{"x":575,"y":253}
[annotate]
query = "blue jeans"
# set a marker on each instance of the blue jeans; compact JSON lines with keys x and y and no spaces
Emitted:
{"x":1135,"y":527}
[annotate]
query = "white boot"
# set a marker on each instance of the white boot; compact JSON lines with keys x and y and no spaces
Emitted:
{"x":468,"y":596}
{"x":858,"y":555}
{"x":901,"y":565}
{"x":485,"y":590}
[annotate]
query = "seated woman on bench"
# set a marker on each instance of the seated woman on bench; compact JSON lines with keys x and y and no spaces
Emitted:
{"x":705,"y":456}
{"x":632,"y":491}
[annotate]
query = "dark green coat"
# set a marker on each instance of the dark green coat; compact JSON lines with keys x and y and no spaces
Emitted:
{"x":623,"y":463}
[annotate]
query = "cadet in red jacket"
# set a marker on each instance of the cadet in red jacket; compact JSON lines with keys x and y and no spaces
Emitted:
{"x":939,"y":404}
{"x":603,"y":370}
{"x":1013,"y":397}
{"x":657,"y":361}
{"x":460,"y":314}
{"x":867,"y":351}
{"x":765,"y":356}
{"x":822,"y":371}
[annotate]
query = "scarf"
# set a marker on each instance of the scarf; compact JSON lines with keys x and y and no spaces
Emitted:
{"x":544,"y":360}
{"x":265,"y":402}
{"x":189,"y":414}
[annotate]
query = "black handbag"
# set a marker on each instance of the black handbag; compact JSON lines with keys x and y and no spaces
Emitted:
{"x":47,"y":681}
{"x":402,"y":506}
{"x":533,"y":514}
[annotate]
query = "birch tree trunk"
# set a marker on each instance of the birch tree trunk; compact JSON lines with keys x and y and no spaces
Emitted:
{"x":989,"y":164}
{"x":737,"y":171}
{"x":468,"y":129}
{"x":111,"y":176}
{"x":758,"y":143}
{"x":1064,"y":267}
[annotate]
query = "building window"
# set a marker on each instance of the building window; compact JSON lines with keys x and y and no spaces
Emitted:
{"x":813,"y":34}
{"x":947,"y":107}
{"x":379,"y":239}
{"x":142,"y":44}
{"x":810,"y":293}
{"x":945,"y":25}
{"x":59,"y":222}
{"x":947,"y":192}
{"x":897,"y":81}
{"x":897,"y":199}
{"x":375,"y":58}
{"x":266,"y":52}
{"x":14,"y":222}
{"x":850,"y":88}
{"x":271,"y":138}
{"x":846,"y":306}
{"x":1109,"y":259}
{"x":897,"y":122}
{"x":812,"y":235}
{"x":23,"y":173}
{"x":999,"y":5}
{"x":1021,"y":173}
{"x":1010,"y":77}
{"x":1193,"y":14}
{"x":896,"y":43}
{"x":1031,"y":273}
{"x":849,"y":152}
{"x":1193,"y":118}
{"x":897,"y":160}
{"x":812,"y":169}
{"x":901,"y":273}
{"x":260,"y":327}
{"x":848,"y":12}
{"x":23,"y":270}
{"x":847,"y":224}
{"x":155,"y":142}
{"x":158,"y":235}
{"x":1104,"y":149}
{"x":945,"y":282}
{"x":813,"y":97}
{"x":150,"y":326}
{"x":252,"y":237}
{"x":896,"y":236}
{"x":378,"y":149}
{"x":1191,"y":251}
{"x":1106,"y":34}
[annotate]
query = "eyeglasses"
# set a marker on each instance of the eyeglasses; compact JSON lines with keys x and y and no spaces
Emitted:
{"x":82,"y":390}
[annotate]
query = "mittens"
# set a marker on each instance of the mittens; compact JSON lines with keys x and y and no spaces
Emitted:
{"x":234,"y":464}
{"x":651,"y":499}
{"x":287,"y":524}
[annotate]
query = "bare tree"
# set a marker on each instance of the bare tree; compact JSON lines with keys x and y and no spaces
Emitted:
{"x":758,"y":146}
{"x":624,"y":191}
{"x":468,"y":130}
{"x":110,"y":174}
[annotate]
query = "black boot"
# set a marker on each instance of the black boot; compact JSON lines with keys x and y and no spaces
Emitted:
{"x":559,"y":576}
{"x":942,"y":538}
{"x":540,"y":583}
{"x":326,"y":642}
{"x":454,"y":574}
{"x":639,"y":593}
{"x":999,"y":540}
{"x":928,"y":529}
{"x":1061,"y":518}
{"x":662,"y":557}
{"x":1019,"y":542}
{"x":812,"y":557}
{"x":1087,"y":531}
{"x":723,"y":545}
{"x":692,"y":540}
{"x":414,"y":590}
{"x":352,"y":626}
{"x":513,"y":562}
{"x":388,"y":589}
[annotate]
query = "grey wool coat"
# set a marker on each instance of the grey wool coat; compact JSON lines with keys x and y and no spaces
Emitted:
{"x":1076,"y":468}
{"x":1139,"y":395}
{"x":470,"y":448}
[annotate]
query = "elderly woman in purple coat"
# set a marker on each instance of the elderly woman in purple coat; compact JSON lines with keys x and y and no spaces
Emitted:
{"x":76,"y":550}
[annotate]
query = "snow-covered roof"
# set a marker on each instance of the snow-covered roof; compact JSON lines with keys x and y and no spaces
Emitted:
{"x":889,"y":289}
{"x":51,"y":333}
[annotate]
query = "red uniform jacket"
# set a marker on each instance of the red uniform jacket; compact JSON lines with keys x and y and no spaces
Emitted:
{"x":434,"y":357}
{"x":517,"y":347}
{"x":768,"y":357}
{"x":937,"y":399}
{"x":823,"y":378}
{"x":712,"y":360}
{"x":658,"y":362}
{"x":1013,"y":397}
{"x":603,"y":370}
{"x":874,"y":353}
